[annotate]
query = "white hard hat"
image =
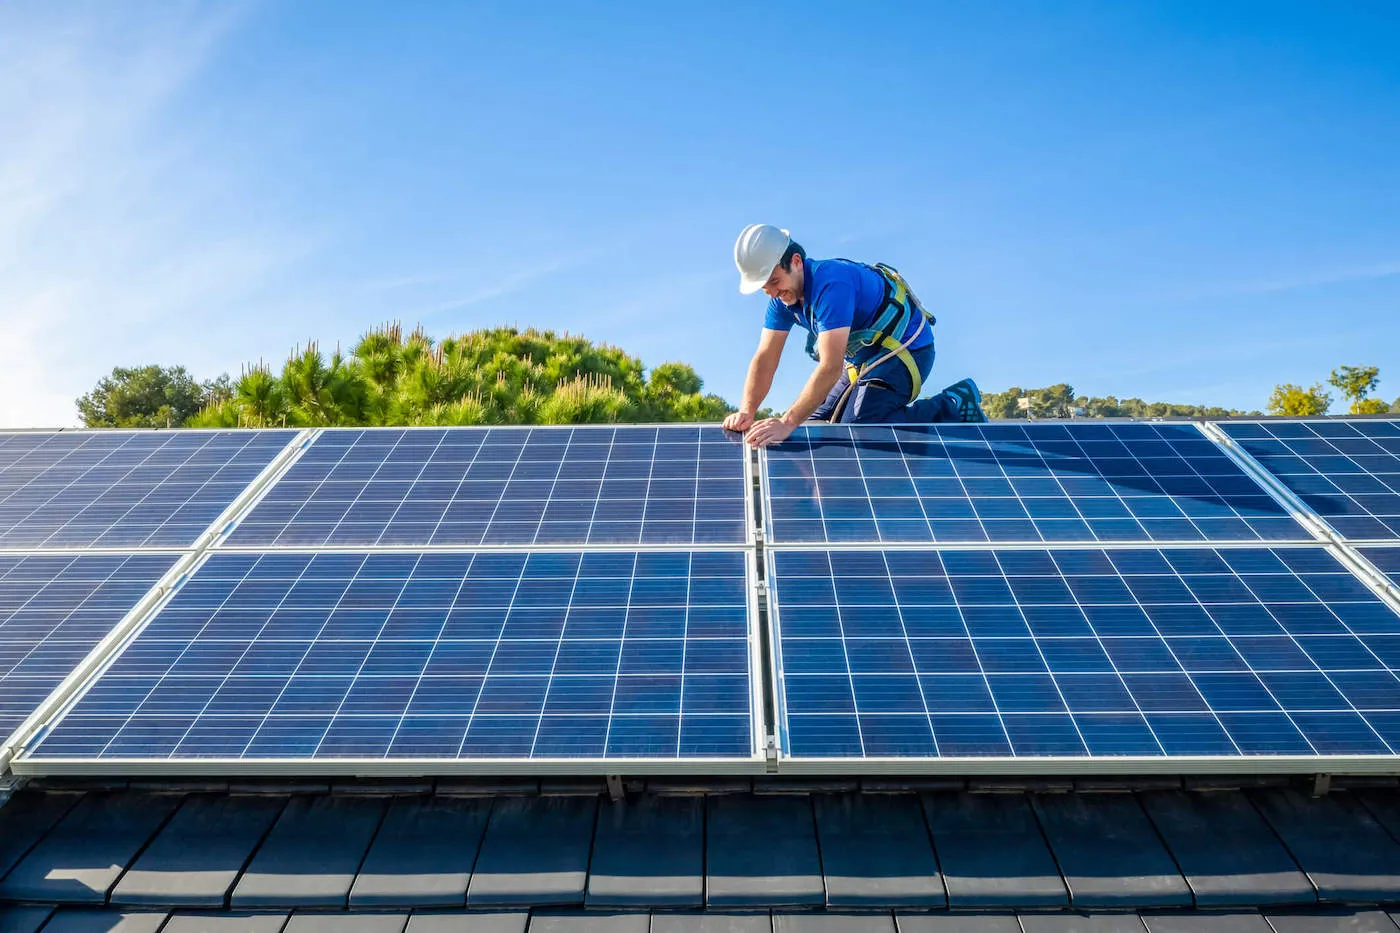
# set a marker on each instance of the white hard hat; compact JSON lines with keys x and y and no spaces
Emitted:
{"x":756,"y":252}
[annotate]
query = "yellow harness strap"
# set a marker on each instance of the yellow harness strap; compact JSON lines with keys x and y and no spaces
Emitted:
{"x":907,"y":358}
{"x":854,"y":373}
{"x":900,"y":296}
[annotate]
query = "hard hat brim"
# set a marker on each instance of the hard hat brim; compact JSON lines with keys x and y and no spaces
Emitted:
{"x":748,"y":286}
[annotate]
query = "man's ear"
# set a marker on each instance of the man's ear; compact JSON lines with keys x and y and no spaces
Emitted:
{"x":795,"y":264}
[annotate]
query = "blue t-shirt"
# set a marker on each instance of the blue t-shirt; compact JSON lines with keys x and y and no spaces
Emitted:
{"x":839,"y":293}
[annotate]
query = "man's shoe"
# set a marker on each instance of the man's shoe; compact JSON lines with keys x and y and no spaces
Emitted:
{"x":969,"y":400}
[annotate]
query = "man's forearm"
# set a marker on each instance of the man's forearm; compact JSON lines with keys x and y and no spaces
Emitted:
{"x":818,"y":387}
{"x":757,"y":384}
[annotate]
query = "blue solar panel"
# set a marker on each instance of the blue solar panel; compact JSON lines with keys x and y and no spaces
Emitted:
{"x":1033,"y":483}
{"x":1386,"y":560}
{"x":470,"y":486}
{"x":53,"y":612}
{"x":1348,"y":472}
{"x":1086,"y":653}
{"x":124,"y":489}
{"x":486,"y":655}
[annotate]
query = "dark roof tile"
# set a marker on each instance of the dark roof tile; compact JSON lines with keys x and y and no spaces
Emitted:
{"x":1338,"y":920}
{"x":1345,"y":852}
{"x":312,"y":854}
{"x":1206,"y":921}
{"x":74,"y":920}
{"x":423,"y":854}
{"x":346,"y":923}
{"x":458,"y":921}
{"x":516,"y":868}
{"x":876,"y":852}
{"x":1082,"y":923}
{"x":25,"y":819}
{"x":1253,"y":868}
{"x":23,"y":919}
{"x":590,"y":922}
{"x":717,"y":921}
{"x":871,"y":851}
{"x":965,"y":922}
{"x":196,"y":859}
{"x":1109,"y":853}
{"x":762,"y":851}
{"x":84,"y":854}
{"x":649,"y":852}
{"x":992,"y":852}
{"x":832,"y":923}
{"x":237,"y":921}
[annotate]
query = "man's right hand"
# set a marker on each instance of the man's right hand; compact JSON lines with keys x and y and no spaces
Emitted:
{"x":739,"y":421}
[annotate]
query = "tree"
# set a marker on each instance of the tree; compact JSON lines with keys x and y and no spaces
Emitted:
{"x":1003,"y":404}
{"x":501,"y":375}
{"x":670,"y":379}
{"x":1056,"y":401}
{"x":1356,"y":383}
{"x":147,"y":397}
{"x":1296,"y":401}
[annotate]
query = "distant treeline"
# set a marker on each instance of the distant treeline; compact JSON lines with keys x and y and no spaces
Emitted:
{"x":496,"y":376}
{"x":1355,"y":383}
{"x":1059,"y":401}
{"x":504,"y":375}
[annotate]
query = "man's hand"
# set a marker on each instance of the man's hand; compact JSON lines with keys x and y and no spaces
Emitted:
{"x":768,"y":431}
{"x":738,"y":421}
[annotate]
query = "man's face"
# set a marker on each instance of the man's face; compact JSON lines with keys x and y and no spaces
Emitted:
{"x":786,"y":284}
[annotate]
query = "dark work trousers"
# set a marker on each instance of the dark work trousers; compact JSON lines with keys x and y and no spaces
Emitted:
{"x":881,"y":396}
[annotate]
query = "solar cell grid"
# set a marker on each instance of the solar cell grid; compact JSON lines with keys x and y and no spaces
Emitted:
{"x":486,"y":655}
{"x":682,"y":484}
{"x":1386,"y":560}
{"x":1348,"y":472}
{"x":53,"y":612}
{"x":1051,"y":483}
{"x":124,"y":489}
{"x":1088,"y":653}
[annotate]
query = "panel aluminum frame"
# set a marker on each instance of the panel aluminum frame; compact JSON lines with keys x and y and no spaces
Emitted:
{"x":1318,"y":523}
{"x":1086,"y":765}
{"x":187,"y":559}
{"x":220,"y":522}
{"x":767,"y":499}
{"x":25,"y":764}
{"x":750,"y":516}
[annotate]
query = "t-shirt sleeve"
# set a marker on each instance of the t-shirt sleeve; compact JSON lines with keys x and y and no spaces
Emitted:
{"x":779,"y":316}
{"x":833,"y":304}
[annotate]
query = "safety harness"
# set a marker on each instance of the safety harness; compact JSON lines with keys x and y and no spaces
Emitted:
{"x":897,"y":311}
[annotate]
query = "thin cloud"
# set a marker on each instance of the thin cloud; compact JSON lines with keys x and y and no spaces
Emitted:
{"x":111,"y":245}
{"x":1231,"y":354}
{"x":509,"y":284}
{"x":1320,"y":279}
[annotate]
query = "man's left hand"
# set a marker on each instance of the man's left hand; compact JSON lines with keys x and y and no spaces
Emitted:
{"x":768,"y":431}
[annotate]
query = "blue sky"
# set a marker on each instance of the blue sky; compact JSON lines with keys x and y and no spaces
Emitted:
{"x":1186,"y":202}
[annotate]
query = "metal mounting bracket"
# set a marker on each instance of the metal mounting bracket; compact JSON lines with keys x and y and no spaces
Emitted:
{"x":616,"y":790}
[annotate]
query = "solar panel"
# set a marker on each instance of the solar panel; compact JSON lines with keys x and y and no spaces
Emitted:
{"x":1348,"y":472}
{"x":124,"y":489}
{"x":53,"y":611}
{"x":492,"y":655}
{"x":682,"y":484}
{"x":1385,"y":559}
{"x":1083,"y":654}
{"x":1051,"y":483}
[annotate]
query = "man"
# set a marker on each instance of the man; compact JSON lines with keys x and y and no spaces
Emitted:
{"x":871,"y":338}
